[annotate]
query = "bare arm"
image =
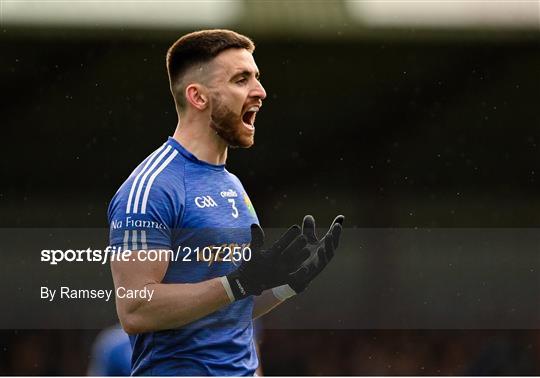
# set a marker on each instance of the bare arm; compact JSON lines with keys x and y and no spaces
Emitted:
{"x":171,"y":306}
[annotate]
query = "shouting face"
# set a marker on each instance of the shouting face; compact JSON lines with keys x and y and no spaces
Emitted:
{"x":236,"y":96}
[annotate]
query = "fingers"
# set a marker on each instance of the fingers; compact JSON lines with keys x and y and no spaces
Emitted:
{"x":335,"y":234}
{"x":339,"y":220}
{"x":335,"y":230}
{"x":287,"y":238}
{"x":257,"y":237}
{"x":298,"y":244}
{"x":296,"y":253}
{"x":329,"y":249}
{"x":323,"y":261}
{"x":308,"y":229}
{"x":321,"y":252}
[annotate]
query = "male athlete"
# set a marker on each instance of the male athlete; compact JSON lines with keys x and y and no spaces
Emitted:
{"x":204,"y":295}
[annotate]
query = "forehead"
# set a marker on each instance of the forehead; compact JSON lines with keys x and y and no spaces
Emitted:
{"x":232,"y":61}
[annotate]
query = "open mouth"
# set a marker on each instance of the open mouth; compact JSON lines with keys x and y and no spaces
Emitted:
{"x":248,"y":118}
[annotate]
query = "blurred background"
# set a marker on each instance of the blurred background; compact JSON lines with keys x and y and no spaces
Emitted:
{"x":401,"y":114}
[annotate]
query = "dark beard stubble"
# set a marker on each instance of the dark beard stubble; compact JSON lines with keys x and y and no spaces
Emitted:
{"x":227,"y":124}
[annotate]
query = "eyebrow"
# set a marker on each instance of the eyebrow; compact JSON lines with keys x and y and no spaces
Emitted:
{"x":246,"y":73}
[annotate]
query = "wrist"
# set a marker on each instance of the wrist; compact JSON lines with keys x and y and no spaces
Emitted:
{"x":237,"y":287}
{"x":227,"y":287}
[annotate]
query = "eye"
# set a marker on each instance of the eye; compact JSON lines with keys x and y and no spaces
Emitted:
{"x":241,"y":81}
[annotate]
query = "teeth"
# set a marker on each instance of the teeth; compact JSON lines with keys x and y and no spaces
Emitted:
{"x":253,"y":109}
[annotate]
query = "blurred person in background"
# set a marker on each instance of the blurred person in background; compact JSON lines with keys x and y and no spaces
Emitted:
{"x":111,"y":353}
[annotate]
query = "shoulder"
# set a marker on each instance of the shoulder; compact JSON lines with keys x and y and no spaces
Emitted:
{"x":235,"y":178}
{"x":157,"y":179}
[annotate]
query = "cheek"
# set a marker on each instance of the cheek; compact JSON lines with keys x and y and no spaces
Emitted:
{"x":237,"y":97}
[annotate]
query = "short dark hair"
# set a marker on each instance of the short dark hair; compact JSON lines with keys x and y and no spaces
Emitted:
{"x":197,"y":48}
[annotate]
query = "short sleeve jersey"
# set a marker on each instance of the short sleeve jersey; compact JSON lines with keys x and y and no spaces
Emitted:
{"x":201,"y":212}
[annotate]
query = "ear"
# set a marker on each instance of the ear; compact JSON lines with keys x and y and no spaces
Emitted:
{"x":197,"y":96}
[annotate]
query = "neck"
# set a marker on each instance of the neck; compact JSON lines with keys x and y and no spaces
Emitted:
{"x":201,"y":140}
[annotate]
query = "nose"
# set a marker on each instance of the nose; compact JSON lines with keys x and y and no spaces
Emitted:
{"x":258,"y":91}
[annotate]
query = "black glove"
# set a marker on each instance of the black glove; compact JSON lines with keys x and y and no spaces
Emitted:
{"x":267,"y":268}
{"x":320,"y":252}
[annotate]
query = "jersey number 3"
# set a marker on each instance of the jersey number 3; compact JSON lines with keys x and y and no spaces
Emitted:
{"x":235,"y":210}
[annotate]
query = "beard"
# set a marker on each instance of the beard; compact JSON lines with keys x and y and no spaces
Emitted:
{"x":228,"y":125}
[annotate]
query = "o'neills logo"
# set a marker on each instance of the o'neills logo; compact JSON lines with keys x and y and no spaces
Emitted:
{"x":229,"y":194}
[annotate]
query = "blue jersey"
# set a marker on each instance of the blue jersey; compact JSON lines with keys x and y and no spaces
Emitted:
{"x":172,"y":200}
{"x":111,"y":354}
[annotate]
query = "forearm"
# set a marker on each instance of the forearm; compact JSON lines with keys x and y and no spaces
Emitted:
{"x":171,"y":306}
{"x":264,"y":303}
